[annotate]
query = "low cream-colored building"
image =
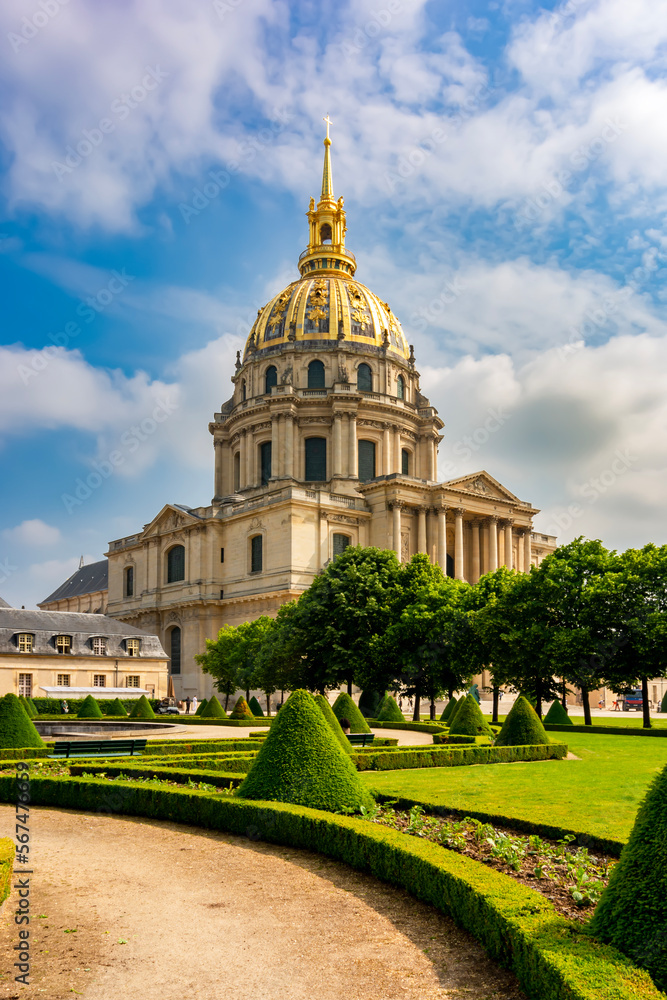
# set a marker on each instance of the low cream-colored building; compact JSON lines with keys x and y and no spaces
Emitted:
{"x":326,"y":441}
{"x":57,"y":654}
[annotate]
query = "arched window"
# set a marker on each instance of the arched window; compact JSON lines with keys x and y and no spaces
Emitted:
{"x":405,"y":462}
{"x":366,"y":460}
{"x":243,"y":391}
{"x":176,"y":564}
{"x":256,"y":554}
{"x":316,"y":460}
{"x":270,"y":378}
{"x":364,"y":378}
{"x":265,"y":461}
{"x":237,"y":471}
{"x":325,"y":233}
{"x":340,"y":543}
{"x":316,"y":375}
{"x":400,"y":387}
{"x":129,"y":581}
{"x":175,"y":650}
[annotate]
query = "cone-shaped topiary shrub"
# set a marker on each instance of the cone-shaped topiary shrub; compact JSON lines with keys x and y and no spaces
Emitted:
{"x":201,"y":706}
{"x":522,"y":727}
{"x":90,"y":709}
{"x":389,"y":711}
{"x":370,"y":703}
{"x":301,"y":762}
{"x":35,"y":710}
{"x":557,"y":715}
{"x":255,"y":708}
{"x":469,"y":720}
{"x":26,"y":706}
{"x":241,"y":710}
{"x":448,"y":709}
{"x":455,"y":707}
{"x":116,"y":707}
{"x":345,"y":708}
{"x":334,"y":724}
{"x":16,"y":728}
{"x":632,"y":912}
{"x":142,"y":709}
{"x":213,"y":709}
{"x":663,"y":707}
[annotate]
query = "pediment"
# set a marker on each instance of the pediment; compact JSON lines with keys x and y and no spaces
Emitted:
{"x":483,"y":485}
{"x":170,"y":518}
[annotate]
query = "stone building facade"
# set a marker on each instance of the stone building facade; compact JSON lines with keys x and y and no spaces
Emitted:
{"x":326,"y":441}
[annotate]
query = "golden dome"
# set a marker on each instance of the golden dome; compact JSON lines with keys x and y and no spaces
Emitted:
{"x":327,"y":304}
{"x":326,"y":307}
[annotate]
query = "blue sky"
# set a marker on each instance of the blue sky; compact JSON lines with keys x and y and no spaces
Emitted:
{"x":503,"y":168}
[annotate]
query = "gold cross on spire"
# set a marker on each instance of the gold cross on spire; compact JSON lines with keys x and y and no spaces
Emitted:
{"x":329,"y":122}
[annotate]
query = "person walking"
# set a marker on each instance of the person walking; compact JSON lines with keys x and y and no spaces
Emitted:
{"x":187,"y":705}
{"x":194,"y":705}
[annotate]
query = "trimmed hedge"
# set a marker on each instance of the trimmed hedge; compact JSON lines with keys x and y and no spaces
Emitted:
{"x":389,"y":711}
{"x":89,"y":709}
{"x":182,"y":777}
{"x":456,"y":756}
{"x":605,"y":730}
{"x":469,"y":721}
{"x":51,"y":706}
{"x":116,"y":708}
{"x":414,"y":727}
{"x":558,"y":715}
{"x":370,"y":703}
{"x":256,"y":708}
{"x":553,"y":958}
{"x":663,"y":704}
{"x":332,"y":722}
{"x":212,"y":709}
{"x":522,"y":726}
{"x":142,"y":710}
{"x":448,"y":709}
{"x":24,"y":753}
{"x":241,"y":710}
{"x":201,"y":706}
{"x":7,"y":852}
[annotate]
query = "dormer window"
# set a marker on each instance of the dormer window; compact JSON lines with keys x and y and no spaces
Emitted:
{"x":99,"y":644}
{"x":25,"y":642}
{"x":132,"y":647}
{"x":63,"y":644}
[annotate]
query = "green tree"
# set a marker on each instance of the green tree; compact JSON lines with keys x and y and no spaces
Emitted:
{"x":219,"y":661}
{"x":484,"y":601}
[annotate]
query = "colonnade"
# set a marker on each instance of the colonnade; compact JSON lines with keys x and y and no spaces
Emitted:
{"x":481,"y":544}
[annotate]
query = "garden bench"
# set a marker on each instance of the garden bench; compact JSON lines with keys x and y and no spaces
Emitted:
{"x":360,"y":739}
{"x":97,"y":748}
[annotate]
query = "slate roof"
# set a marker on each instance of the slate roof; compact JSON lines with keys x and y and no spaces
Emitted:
{"x":86,"y":580}
{"x":47,"y":624}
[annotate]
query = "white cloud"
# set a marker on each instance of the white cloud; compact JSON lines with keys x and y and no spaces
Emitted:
{"x":34,"y":533}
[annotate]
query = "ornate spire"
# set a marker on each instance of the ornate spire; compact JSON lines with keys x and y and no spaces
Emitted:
{"x":327,"y":180}
{"x":326,"y":243}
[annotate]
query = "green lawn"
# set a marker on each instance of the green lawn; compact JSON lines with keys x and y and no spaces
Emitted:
{"x":598,"y":794}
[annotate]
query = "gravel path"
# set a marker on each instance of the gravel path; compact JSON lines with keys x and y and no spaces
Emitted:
{"x":158,"y":911}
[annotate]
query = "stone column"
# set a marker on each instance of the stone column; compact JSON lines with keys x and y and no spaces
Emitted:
{"x":442,"y":539}
{"x":386,"y":450}
{"x":493,"y":544}
{"x":432,"y":535}
{"x":509,"y":555}
{"x":421,"y":529}
{"x":476,"y":564}
{"x":324,"y":538}
{"x":275,"y":446}
{"x":527,"y":551}
{"x":289,"y":446}
{"x":396,"y":528}
{"x":458,"y":544}
{"x":352,"y":470}
{"x":397,"y":451}
{"x":219,"y":483}
{"x":250,"y":457}
{"x":242,"y":460}
{"x":338,"y":444}
{"x":428,"y":451}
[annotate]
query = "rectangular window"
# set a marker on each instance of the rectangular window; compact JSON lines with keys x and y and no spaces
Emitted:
{"x":132,"y":681}
{"x":63,"y":644}
{"x":25,"y":642}
{"x":316,"y":460}
{"x":129,"y":581}
{"x":132,"y":647}
{"x":175,"y":650}
{"x":256,"y":554}
{"x":340,"y":543}
{"x":25,"y":685}
{"x":222,"y":555}
{"x":63,"y":680}
{"x":366,"y":461}
{"x":99,"y":646}
{"x":405,"y":462}
{"x":99,"y":680}
{"x":265,"y":461}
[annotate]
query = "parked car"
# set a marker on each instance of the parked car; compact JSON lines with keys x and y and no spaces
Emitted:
{"x":633,"y":700}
